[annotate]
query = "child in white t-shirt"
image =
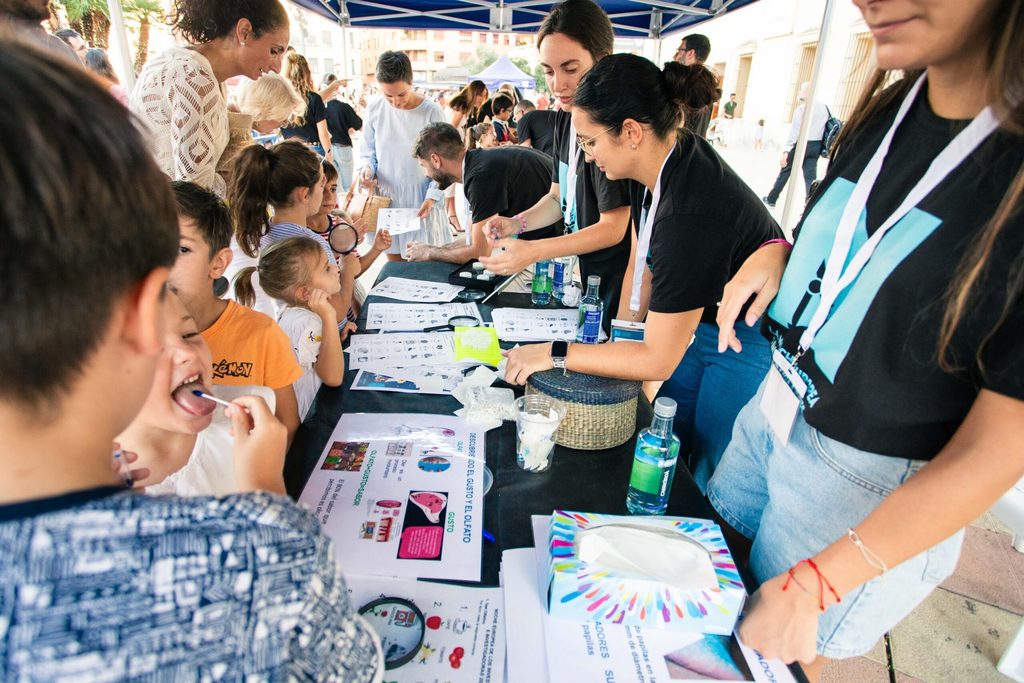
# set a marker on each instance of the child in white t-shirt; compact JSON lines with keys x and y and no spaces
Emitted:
{"x":297,"y":272}
{"x":185,"y":441}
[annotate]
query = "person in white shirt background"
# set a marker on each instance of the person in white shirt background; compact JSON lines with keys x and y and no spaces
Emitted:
{"x":819,"y":116}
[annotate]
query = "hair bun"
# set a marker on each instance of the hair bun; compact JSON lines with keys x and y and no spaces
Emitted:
{"x":692,"y":87}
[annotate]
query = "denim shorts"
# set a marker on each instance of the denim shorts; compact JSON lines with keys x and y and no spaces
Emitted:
{"x":794,"y":500}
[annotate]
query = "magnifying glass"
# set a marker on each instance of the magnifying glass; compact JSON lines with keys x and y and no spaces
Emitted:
{"x":343,"y":238}
{"x":456,"y":321}
{"x":400,"y":626}
{"x":468,"y":296}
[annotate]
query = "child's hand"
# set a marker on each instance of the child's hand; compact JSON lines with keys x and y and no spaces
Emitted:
{"x":122,"y":464}
{"x":351,"y":267}
{"x":382,"y":240}
{"x":319,"y":304}
{"x":348,"y":329}
{"x":260,"y":444}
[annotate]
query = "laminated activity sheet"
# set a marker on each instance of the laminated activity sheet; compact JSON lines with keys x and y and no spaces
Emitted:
{"x":398,"y":221}
{"x":526,"y":325}
{"x":400,"y":350}
{"x":415,"y":317}
{"x":401,"y":495}
{"x":417,"y":379}
{"x":464,"y":640}
{"x":579,"y":650}
{"x":417,"y":291}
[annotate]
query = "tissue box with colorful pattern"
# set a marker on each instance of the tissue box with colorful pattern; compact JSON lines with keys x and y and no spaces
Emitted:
{"x":583,"y":592}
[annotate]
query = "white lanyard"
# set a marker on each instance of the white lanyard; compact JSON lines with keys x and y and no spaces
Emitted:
{"x":459,"y":191}
{"x":836,"y":279}
{"x":643,"y":245}
{"x":570,"y":179}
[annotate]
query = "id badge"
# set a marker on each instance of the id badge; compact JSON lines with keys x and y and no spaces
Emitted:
{"x":782,"y":395}
{"x":627,"y":330}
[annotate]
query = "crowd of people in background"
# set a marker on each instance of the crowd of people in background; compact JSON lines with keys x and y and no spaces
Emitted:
{"x":849,"y":399}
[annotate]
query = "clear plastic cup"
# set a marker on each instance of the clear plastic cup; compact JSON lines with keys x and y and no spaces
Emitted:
{"x":537,"y":419}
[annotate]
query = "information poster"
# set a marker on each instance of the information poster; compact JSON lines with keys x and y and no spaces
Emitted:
{"x":402,"y":495}
{"x":464,"y":638}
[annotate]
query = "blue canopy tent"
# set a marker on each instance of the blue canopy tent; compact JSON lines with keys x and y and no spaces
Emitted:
{"x":630,"y":18}
{"x":504,"y":71}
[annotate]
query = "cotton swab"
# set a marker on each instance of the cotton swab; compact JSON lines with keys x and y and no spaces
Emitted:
{"x":202,"y":394}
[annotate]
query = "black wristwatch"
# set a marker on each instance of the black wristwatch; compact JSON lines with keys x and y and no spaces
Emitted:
{"x":559,"y":350}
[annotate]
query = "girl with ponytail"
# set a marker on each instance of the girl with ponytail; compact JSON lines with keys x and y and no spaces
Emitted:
{"x":898,"y":321}
{"x":696,"y":222}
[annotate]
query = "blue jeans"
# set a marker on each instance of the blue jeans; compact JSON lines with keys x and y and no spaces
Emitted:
{"x":711,"y":388}
{"x":797,"y":498}
{"x":343,"y":162}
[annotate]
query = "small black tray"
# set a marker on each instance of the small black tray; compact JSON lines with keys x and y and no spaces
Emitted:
{"x":474,"y":282}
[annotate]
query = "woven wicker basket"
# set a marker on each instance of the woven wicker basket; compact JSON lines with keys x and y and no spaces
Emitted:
{"x":600,"y":412}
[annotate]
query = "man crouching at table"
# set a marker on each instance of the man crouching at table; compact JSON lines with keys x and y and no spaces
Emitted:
{"x":502,"y":181}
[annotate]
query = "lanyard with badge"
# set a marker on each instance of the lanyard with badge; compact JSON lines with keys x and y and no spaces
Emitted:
{"x":570,"y":180}
{"x":785,"y":389}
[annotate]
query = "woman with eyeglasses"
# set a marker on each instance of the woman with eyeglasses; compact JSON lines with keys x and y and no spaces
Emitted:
{"x":574,"y":37}
{"x":696,"y":224}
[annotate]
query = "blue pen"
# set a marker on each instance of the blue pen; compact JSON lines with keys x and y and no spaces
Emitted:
{"x":489,"y":536}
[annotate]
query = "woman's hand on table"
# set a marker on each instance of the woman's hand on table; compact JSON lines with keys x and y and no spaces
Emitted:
{"x":509,"y":256}
{"x":783,"y":624}
{"x":760,"y":274}
{"x":523,"y":361}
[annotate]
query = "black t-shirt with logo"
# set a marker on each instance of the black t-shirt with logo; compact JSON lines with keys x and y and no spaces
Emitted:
{"x":873,"y":379}
{"x":505,"y":181}
{"x":539,"y":128}
{"x":707,"y":223}
{"x":594,"y":194}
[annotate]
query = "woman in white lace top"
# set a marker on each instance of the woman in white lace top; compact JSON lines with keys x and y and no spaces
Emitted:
{"x":180,"y":93}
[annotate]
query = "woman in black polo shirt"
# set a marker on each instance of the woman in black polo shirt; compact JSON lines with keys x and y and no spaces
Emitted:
{"x":696,"y":222}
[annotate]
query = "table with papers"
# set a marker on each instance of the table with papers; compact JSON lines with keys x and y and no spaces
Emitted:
{"x":594,"y":481}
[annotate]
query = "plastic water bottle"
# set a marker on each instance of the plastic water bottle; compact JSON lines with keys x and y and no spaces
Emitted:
{"x":559,"y":266}
{"x":654,"y":463}
{"x":591,"y":313}
{"x":540,"y":293}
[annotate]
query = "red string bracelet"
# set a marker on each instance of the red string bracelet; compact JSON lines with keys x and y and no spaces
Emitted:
{"x":822,"y":583}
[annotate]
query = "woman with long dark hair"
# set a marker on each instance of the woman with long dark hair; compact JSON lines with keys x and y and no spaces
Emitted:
{"x":180,"y":93}
{"x":574,"y":36}
{"x":697,"y":222}
{"x":893,"y":415}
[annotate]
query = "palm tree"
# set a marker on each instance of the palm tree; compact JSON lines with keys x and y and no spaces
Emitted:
{"x":145,"y":12}
{"x":91,"y":18}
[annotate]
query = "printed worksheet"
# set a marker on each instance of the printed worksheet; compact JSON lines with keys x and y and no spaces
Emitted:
{"x":400,"y":350}
{"x":401,"y":495}
{"x":528,"y":324}
{"x":398,"y":221}
{"x":417,"y":379}
{"x":417,"y":291}
{"x":464,"y":639}
{"x":415,"y":317}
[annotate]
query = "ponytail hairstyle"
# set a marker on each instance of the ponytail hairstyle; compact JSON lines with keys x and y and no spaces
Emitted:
{"x":1004,"y":29}
{"x":296,"y":70}
{"x":465,"y":100}
{"x":585,"y":22}
{"x":645,"y":93}
{"x":475,"y":134}
{"x":265,"y":177}
{"x":283,"y":267}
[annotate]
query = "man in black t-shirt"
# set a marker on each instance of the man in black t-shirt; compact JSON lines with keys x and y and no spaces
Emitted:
{"x":503,"y":181}
{"x":536,"y":128}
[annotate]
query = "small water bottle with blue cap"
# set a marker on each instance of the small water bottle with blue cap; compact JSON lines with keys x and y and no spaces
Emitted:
{"x":654,"y":463}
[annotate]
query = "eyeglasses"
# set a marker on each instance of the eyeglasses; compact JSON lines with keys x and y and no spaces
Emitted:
{"x":588,"y":145}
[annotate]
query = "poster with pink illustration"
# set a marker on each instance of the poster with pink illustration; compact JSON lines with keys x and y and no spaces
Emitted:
{"x":413,"y":507}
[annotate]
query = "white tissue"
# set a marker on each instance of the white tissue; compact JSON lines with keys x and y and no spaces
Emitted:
{"x":571,"y":296}
{"x":643,"y":552}
{"x":537,"y":439}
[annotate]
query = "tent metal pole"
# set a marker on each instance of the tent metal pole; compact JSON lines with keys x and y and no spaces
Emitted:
{"x":124,"y":55}
{"x":796,"y":171}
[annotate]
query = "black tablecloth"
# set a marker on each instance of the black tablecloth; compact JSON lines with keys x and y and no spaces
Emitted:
{"x":591,"y":481}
